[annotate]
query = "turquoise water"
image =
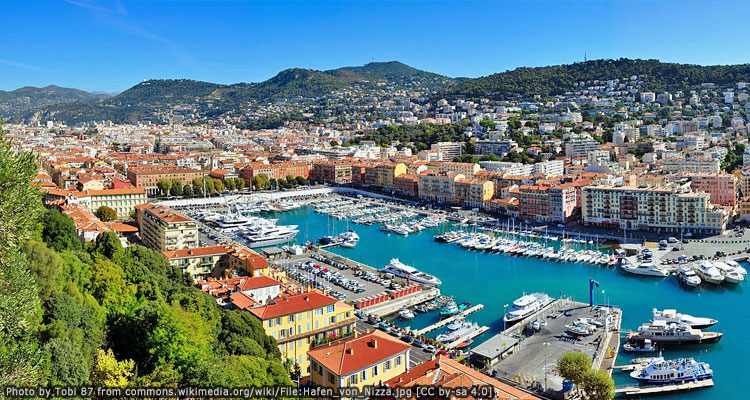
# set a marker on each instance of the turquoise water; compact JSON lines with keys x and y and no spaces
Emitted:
{"x":496,"y":280}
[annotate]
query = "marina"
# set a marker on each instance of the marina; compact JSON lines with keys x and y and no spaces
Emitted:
{"x":507,"y":276}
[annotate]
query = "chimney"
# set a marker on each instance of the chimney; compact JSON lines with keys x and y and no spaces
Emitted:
{"x":355,"y":334}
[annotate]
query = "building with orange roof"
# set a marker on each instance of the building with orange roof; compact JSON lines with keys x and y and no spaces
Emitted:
{"x":123,"y":201}
{"x":300,"y":322}
{"x":407,"y":185}
{"x":164,"y":229}
{"x":439,"y":187}
{"x":465,"y":169}
{"x":471,"y":192}
{"x":339,"y":172}
{"x":147,"y":177}
{"x":445,"y":372}
{"x":366,"y":360}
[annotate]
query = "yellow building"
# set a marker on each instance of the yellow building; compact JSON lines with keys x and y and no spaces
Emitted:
{"x":123,"y":200}
{"x":439,"y":187}
{"x":163,"y":229}
{"x":366,"y":360}
{"x":302,"y":321}
{"x":474,"y":192}
{"x":386,"y":172}
{"x":466,"y":169}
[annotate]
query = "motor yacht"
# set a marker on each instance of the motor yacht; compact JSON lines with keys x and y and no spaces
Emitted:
{"x":687,"y":275}
{"x":525,"y":306}
{"x":708,"y":273}
{"x":673,"y":371}
{"x":672,"y":316}
{"x":647,"y":268}
{"x":402,"y":270}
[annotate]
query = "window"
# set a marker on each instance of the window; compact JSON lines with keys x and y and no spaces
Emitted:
{"x":387,"y":366}
{"x":330,"y":309}
{"x":291,"y":318}
{"x":278,"y":321}
{"x":333,"y":320}
{"x":353,"y":380}
{"x":398,"y":361}
{"x":318,"y":312}
{"x":270,"y":323}
{"x":375,"y":371}
{"x":363,"y":375}
{"x":330,"y":377}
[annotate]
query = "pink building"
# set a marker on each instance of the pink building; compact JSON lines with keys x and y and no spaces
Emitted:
{"x":721,"y":187}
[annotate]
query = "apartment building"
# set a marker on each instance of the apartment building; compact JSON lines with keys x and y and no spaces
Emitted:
{"x":407,"y":185}
{"x":722,"y":187}
{"x":698,"y":164}
{"x":123,"y":200}
{"x":274,"y":171}
{"x":366,"y":360}
{"x":471,"y":192}
{"x":164,"y":229}
{"x":439,"y":187}
{"x":204,"y":262}
{"x":335,"y":172}
{"x":147,"y":177}
{"x":301,"y":322}
{"x":581,"y":147}
{"x":465,"y":169}
{"x":650,"y":208}
{"x":387,"y":172}
{"x":551,"y":168}
{"x":447,"y":150}
{"x":563,"y":202}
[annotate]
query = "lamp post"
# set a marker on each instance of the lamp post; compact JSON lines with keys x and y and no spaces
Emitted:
{"x":546,"y":346}
{"x":505,"y":306}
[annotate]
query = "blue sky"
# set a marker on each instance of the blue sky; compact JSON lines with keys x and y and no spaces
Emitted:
{"x":111,"y":45}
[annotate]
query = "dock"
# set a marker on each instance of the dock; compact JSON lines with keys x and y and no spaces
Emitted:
{"x":628,"y":367}
{"x":470,"y":336}
{"x":447,"y":321}
{"x":643,"y":390}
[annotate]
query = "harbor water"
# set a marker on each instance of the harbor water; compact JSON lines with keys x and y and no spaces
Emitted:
{"x":495,"y":280}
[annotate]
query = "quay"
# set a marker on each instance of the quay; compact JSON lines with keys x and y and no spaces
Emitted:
{"x":529,"y":358}
{"x":644,"y":390}
{"x":393,"y":305}
{"x":444,"y":322}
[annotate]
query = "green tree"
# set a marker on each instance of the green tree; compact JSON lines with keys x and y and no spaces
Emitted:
{"x":106,"y":214}
{"x":187,"y":190}
{"x":301,"y":181}
{"x":176,"y":190}
{"x":20,"y":202}
{"x":209,"y":185}
{"x":598,"y":385}
{"x":218,"y":185}
{"x":107,"y":244}
{"x":229,"y":183}
{"x":109,"y":286}
{"x":59,"y":231}
{"x":261,"y":181}
{"x":176,"y":182}
{"x":164,"y":185}
{"x":108,"y":372}
{"x":291,"y":181}
{"x":198,"y":190}
{"x":573,"y":366}
{"x":67,"y":366}
{"x":239,"y":183}
{"x":46,"y":265}
{"x":487,"y":124}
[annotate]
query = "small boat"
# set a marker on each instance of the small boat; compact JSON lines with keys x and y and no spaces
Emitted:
{"x":673,"y":371}
{"x":421,"y":308}
{"x":647,"y":347}
{"x":457,"y":331}
{"x":349,"y":244}
{"x":645,"y":360}
{"x":578,"y":329}
{"x":406,"y":313}
{"x":451,"y":309}
{"x":646,"y":268}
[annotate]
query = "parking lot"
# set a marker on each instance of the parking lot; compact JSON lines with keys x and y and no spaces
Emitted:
{"x":340,"y":278}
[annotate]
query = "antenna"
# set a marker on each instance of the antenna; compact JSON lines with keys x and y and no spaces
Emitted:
{"x":584,"y":57}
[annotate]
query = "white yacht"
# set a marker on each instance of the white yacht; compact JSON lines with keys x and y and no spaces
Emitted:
{"x":708,"y":272}
{"x":646,"y":268}
{"x":406,"y":313}
{"x":402,"y":270}
{"x":670,"y":315}
{"x":687,"y":276}
{"x":730,"y":274}
{"x":456,"y":331}
{"x":736,"y":266}
{"x":350,"y":235}
{"x":526,"y":305}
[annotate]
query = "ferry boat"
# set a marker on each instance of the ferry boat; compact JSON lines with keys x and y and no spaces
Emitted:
{"x":646,"y":268}
{"x":661,"y":332}
{"x":402,"y":270}
{"x":673,"y":371}
{"x":451,"y":309}
{"x":672,"y":316}
{"x":457,"y":331}
{"x":687,"y":275}
{"x":525,"y":306}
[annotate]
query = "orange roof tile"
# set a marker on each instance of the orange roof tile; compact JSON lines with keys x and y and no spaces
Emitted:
{"x":357,"y":353}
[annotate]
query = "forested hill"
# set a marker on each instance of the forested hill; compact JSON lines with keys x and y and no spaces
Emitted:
{"x":27,"y":98}
{"x":558,"y":79}
{"x":151,"y":99}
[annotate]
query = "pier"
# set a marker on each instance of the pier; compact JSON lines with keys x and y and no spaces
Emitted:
{"x":447,"y":321}
{"x":643,"y":390}
{"x":470,"y":336}
{"x":628,"y":367}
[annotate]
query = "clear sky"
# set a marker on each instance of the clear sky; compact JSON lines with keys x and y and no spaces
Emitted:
{"x":112,"y":45}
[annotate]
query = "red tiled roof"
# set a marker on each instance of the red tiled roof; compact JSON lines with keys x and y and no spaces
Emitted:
{"x":357,"y":353}
{"x":293,"y":304}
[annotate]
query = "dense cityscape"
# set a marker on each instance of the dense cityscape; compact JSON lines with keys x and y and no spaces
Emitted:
{"x":572,"y":231}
